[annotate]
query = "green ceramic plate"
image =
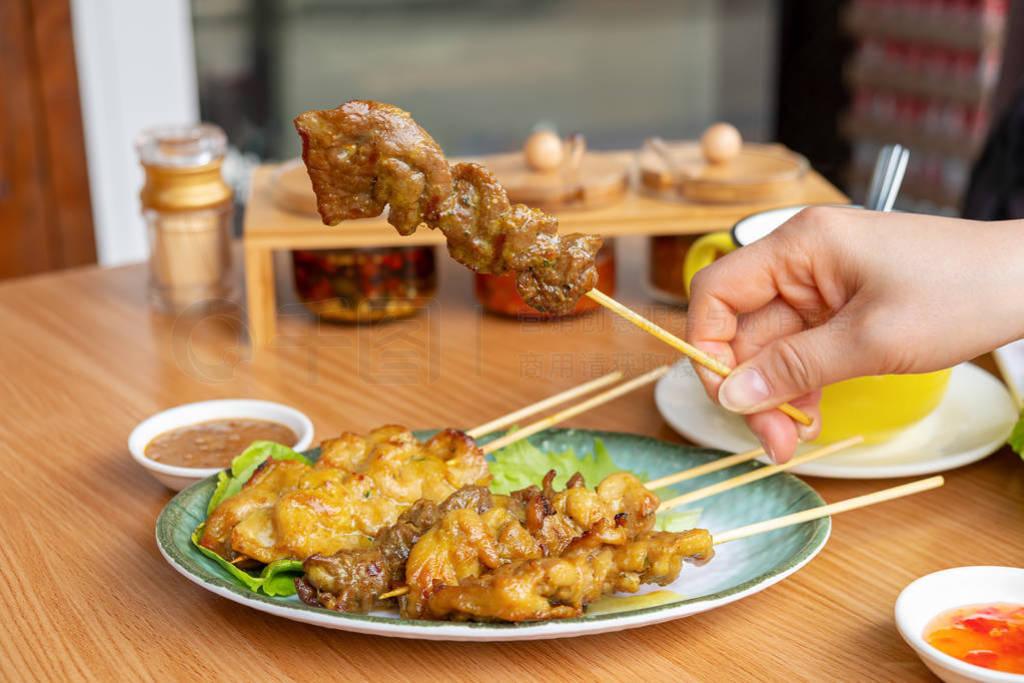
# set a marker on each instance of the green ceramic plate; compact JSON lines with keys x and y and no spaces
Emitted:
{"x":739,"y":569}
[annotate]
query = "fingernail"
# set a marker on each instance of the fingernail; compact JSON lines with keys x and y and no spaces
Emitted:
{"x":743,"y":390}
{"x":768,"y":450}
{"x":803,"y":432}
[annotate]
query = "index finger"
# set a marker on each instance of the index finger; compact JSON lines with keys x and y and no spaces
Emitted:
{"x":739,"y":282}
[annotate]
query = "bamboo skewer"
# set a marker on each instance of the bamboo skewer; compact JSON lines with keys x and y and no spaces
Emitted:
{"x":831,"y":509}
{"x":550,"y":402}
{"x":757,"y":474}
{"x":586,"y":387}
{"x":797,"y":517}
{"x":701,"y":470}
{"x":698,"y":356}
{"x":572,"y":411}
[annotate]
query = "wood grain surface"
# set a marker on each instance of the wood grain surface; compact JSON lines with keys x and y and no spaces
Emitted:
{"x":758,"y":173}
{"x":278,"y":216}
{"x":86,"y":594}
{"x":268,"y":225}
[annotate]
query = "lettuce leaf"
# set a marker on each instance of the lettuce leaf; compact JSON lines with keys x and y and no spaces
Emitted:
{"x":276,"y":579}
{"x":243,"y":466}
{"x":678,"y":520}
{"x":521,"y":464}
{"x":1016,"y":439}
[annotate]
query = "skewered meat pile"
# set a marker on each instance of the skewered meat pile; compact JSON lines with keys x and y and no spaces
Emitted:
{"x":351,"y":580}
{"x":621,"y":501}
{"x":464,"y":543}
{"x":562,"y":586}
{"x":357,"y":488}
{"x":363,"y":156}
{"x":536,"y":554}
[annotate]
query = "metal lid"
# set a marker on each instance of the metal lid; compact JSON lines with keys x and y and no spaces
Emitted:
{"x":181,"y":146}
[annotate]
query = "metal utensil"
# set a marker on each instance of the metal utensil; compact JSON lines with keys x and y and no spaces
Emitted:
{"x":895,"y":178}
{"x":890,"y":167}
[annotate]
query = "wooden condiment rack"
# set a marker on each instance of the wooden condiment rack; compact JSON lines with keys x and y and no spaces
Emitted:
{"x":268,"y":227}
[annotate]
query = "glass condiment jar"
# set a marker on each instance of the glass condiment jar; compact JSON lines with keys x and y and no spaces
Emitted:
{"x":187,"y":207}
{"x":364,"y":285}
{"x":498,"y":293}
{"x":665,"y":267}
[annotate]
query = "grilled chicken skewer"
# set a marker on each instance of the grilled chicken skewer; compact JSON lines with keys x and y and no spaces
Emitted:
{"x":357,"y":488}
{"x":364,"y":156}
{"x":562,"y":584}
{"x":475,"y":532}
{"x":559,"y":587}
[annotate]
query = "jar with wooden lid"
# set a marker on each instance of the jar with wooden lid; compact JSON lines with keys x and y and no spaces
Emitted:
{"x":665,"y":267}
{"x":497,"y":293}
{"x":367,"y":284}
{"x":187,"y":207}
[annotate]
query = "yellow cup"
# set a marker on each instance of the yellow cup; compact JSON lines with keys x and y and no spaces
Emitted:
{"x":875,"y":407}
{"x":703,"y":252}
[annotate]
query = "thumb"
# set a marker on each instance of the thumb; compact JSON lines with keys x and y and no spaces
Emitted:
{"x":789,"y":367}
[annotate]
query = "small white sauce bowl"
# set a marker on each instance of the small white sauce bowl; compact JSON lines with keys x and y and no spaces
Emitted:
{"x":178,"y":478}
{"x":927,"y":597}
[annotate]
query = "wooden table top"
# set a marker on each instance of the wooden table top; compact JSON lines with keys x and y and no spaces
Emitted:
{"x":86,"y":593}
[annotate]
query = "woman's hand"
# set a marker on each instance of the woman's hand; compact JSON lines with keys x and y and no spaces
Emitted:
{"x":836,"y":293}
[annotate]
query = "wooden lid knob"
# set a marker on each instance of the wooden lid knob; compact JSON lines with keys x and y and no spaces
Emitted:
{"x":721,"y":143}
{"x":544,"y":151}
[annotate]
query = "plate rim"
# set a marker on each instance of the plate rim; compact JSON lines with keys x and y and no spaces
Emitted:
{"x":823,"y":469}
{"x":479,"y":631}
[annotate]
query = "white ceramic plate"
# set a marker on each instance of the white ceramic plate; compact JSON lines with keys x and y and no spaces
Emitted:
{"x":972,"y":421}
{"x":1010,"y":359}
{"x":739,"y":569}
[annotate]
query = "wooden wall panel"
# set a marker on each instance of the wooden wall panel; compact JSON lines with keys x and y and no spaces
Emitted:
{"x":25,"y":245}
{"x":45,"y":213}
{"x":65,"y":141}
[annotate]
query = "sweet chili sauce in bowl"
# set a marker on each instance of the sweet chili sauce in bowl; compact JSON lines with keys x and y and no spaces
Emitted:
{"x":990,"y":636}
{"x":966,"y":623}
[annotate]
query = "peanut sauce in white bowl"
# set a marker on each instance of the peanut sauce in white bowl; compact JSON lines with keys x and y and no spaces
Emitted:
{"x":190,"y":442}
{"x":214,"y":443}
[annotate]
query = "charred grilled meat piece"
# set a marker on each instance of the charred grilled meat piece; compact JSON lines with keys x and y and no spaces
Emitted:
{"x":561,"y":587}
{"x":464,"y":543}
{"x":364,"y":155}
{"x":351,"y":580}
{"x":348,"y":581}
{"x":557,"y":519}
{"x":490,"y":235}
{"x":533,"y":523}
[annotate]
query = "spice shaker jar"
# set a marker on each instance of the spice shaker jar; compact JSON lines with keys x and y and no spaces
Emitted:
{"x":187,"y":207}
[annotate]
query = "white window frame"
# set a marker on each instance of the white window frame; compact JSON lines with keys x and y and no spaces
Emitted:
{"x":136,"y":69}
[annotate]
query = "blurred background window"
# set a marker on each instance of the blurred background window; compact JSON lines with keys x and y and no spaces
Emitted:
{"x":831,"y":79}
{"x":479,"y":75}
